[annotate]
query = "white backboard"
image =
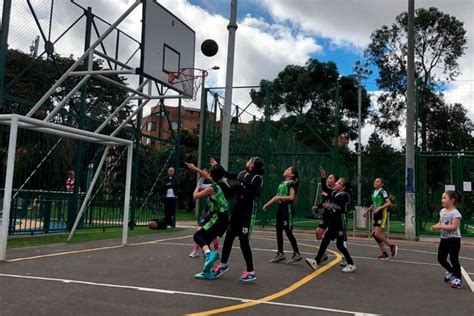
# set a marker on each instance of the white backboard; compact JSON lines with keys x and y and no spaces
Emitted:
{"x":167,"y":44}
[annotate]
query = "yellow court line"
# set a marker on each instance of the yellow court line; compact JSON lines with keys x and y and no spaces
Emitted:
{"x":94,"y":249}
{"x":276,"y":295}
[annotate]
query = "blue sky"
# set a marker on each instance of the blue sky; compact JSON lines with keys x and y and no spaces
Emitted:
{"x":344,"y":56}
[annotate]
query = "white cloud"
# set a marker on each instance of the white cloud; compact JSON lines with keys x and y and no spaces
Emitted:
{"x":349,"y":24}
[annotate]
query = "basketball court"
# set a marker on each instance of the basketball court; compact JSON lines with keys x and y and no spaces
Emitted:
{"x":154,"y":275}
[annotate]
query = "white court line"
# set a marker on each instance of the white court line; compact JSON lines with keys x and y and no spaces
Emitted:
{"x":312,"y":254}
{"x":403,"y":249}
{"x":162,"y":291}
{"x":467,"y":279}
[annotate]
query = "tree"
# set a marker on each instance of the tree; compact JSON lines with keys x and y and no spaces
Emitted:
{"x":27,"y":79}
{"x":440,"y":39}
{"x":307,"y":97}
{"x":449,"y":128}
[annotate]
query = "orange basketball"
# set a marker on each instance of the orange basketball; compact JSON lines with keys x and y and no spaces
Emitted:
{"x":153,"y":225}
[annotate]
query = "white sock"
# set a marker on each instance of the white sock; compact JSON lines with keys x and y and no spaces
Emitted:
{"x":207,"y":251}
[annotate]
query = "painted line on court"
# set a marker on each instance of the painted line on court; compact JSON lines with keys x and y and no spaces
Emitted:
{"x":403,"y":249}
{"x":467,"y":279}
{"x":162,"y":291}
{"x":94,"y":249}
{"x":279,"y":294}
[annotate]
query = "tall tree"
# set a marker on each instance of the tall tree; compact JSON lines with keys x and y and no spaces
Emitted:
{"x":306,"y":95}
{"x":440,"y":39}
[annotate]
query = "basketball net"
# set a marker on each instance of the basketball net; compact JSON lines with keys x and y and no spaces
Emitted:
{"x":190,"y":79}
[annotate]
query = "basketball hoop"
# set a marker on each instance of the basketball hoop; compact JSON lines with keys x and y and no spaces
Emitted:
{"x":190,"y":78}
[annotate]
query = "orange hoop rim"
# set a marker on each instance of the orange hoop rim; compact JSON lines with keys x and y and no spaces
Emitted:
{"x":186,"y":74}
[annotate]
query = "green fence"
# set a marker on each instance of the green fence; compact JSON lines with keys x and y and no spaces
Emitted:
{"x":437,"y":172}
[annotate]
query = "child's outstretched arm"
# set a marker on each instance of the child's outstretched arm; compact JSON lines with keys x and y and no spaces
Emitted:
{"x":199,"y":193}
{"x":201,"y":172}
{"x":270,"y":202}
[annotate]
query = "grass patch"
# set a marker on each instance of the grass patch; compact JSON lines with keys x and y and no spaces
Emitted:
{"x":81,"y":236}
{"x":182,"y":215}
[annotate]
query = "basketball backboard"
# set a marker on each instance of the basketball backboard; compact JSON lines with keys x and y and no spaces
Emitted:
{"x":168,"y":44}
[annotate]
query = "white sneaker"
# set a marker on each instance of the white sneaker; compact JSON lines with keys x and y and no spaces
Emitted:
{"x":349,"y":268}
{"x":194,"y":253}
{"x":312,"y":263}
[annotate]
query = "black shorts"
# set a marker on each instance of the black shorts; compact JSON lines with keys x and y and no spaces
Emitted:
{"x":284,"y":218}
{"x":380,"y":218}
{"x":336,"y":229}
{"x":325,"y":219}
{"x":216,"y":229}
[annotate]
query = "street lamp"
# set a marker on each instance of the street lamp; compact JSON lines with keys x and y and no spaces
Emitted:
{"x":202,"y":122}
{"x":362,"y":72}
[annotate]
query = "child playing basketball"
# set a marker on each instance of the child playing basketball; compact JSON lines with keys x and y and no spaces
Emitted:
{"x":215,"y":223}
{"x":338,"y":201}
{"x":380,"y":203}
{"x":327,"y":185}
{"x":250,"y":182}
{"x":286,"y":195}
{"x":450,"y":243}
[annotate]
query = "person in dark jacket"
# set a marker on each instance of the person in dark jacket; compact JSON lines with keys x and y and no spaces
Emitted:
{"x":170,"y":185}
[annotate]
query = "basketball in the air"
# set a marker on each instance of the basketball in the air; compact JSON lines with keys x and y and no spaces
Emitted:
{"x":209,"y":47}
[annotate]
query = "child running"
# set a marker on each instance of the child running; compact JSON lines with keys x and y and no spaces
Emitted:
{"x":286,"y":195}
{"x":243,"y":215}
{"x":216,"y":221}
{"x":380,"y":203}
{"x":338,"y":201}
{"x":450,"y":243}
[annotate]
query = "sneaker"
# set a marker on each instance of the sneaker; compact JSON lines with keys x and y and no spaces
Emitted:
{"x":349,"y":268}
{"x":220,"y":269}
{"x":448,"y":277}
{"x":393,"y":250}
{"x":456,"y":283}
{"x":279,"y":257}
{"x":248,"y":276}
{"x":312,"y":263}
{"x":324,"y":258}
{"x":343,"y":262}
{"x":194,"y":253}
{"x":295,"y":258}
{"x":383,"y":256}
{"x":205,"y":276}
{"x":209,"y":259}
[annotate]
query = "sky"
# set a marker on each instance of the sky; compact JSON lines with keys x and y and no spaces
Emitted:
{"x":271,"y":34}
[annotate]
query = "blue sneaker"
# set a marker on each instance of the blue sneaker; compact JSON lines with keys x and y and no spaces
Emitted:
{"x":248,"y":276}
{"x":205,"y":276}
{"x":220,"y":269}
{"x":209,"y":259}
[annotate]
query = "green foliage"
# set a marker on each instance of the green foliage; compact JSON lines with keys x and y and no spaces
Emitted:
{"x":307,"y":95}
{"x":440,"y":39}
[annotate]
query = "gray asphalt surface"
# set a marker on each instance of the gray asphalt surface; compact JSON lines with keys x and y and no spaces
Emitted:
{"x":154,"y":276}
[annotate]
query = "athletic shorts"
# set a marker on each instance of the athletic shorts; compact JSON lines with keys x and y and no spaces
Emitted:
{"x":380,"y":218}
{"x":324,"y":223}
{"x":217,"y":228}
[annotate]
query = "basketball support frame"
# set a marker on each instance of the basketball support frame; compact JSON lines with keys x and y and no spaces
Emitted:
{"x":45,"y":126}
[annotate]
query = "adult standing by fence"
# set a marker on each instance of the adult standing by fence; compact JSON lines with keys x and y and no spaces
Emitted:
{"x":170,"y":185}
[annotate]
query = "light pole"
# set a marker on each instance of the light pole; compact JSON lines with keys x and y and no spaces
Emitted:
{"x":362,"y":73}
{"x":202,"y":123}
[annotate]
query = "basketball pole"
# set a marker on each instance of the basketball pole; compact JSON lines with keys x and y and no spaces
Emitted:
{"x":410,"y":202}
{"x":226,"y":115}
